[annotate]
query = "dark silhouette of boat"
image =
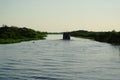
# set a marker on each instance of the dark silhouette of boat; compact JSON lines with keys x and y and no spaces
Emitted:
{"x":66,"y":36}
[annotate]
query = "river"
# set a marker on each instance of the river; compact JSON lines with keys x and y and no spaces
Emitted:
{"x":56,"y":59}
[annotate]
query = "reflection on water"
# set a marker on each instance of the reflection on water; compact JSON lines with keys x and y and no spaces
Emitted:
{"x":56,"y":59}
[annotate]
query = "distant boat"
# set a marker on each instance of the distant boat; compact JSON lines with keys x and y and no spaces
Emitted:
{"x":66,"y":36}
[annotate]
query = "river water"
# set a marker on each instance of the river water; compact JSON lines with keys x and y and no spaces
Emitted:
{"x":56,"y":59}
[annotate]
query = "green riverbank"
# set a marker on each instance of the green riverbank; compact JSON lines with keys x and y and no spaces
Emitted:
{"x":112,"y":37}
{"x":15,"y":34}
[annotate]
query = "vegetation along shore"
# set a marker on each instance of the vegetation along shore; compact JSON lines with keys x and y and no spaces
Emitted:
{"x":15,"y":34}
{"x":112,"y":37}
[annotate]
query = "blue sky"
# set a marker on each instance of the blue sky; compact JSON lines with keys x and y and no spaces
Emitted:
{"x":61,"y":15}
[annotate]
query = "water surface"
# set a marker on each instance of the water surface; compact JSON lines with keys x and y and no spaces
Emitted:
{"x":56,"y":59}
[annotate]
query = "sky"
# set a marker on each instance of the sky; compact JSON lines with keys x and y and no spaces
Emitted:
{"x":61,"y":15}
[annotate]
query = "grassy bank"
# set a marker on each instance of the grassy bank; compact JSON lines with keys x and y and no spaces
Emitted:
{"x":112,"y":37}
{"x":8,"y":41}
{"x":14,"y":34}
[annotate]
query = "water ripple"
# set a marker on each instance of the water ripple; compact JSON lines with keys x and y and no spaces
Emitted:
{"x":45,"y":78}
{"x":55,"y":59}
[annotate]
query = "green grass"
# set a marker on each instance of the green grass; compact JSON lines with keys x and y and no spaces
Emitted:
{"x":9,"y":41}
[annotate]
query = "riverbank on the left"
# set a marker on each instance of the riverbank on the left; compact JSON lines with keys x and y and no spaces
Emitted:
{"x":14,"y":34}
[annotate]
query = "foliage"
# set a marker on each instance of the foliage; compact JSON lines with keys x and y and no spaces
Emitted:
{"x":110,"y":37}
{"x":14,"y":34}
